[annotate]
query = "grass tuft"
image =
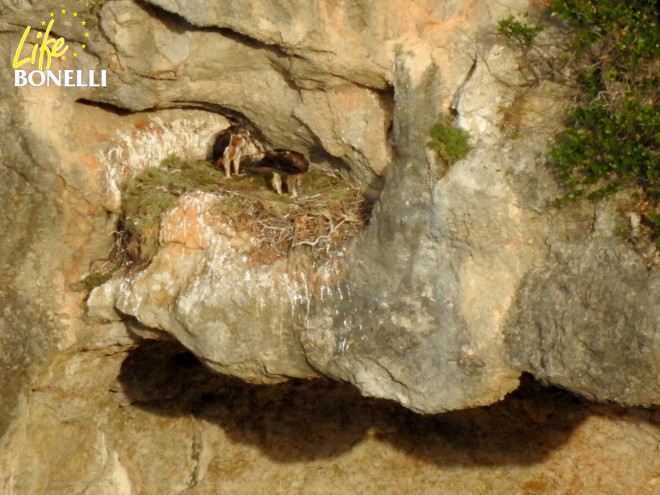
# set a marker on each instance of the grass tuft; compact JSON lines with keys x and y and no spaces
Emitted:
{"x":451,"y":143}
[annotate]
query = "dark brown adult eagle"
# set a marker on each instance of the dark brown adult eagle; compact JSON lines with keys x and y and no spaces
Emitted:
{"x":285,"y":166}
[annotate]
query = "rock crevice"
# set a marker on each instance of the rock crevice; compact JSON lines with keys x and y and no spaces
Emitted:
{"x":457,"y":285}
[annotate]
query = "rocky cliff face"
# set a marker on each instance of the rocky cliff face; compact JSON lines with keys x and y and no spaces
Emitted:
{"x":466,"y":276}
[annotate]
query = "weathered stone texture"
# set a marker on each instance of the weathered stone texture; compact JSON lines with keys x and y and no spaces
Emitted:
{"x":466,"y":276}
{"x":588,"y":321}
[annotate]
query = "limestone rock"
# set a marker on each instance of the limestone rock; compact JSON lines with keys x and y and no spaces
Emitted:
{"x":587,"y":320}
{"x":334,"y":40}
{"x":37,"y":260}
{"x":203,"y":289}
{"x":430,"y":283}
{"x":255,"y":81}
{"x":96,"y":423}
{"x":437,"y":304}
{"x":451,"y":249}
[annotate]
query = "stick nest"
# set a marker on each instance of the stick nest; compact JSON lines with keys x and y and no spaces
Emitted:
{"x":330,"y":210}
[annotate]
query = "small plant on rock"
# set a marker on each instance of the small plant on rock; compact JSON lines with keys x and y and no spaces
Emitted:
{"x":523,"y":34}
{"x":451,"y":143}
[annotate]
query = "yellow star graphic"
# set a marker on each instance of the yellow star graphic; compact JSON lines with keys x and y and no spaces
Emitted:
{"x":84,"y":46}
{"x":63,"y":57}
{"x":52,"y":14}
{"x":83,"y":22}
{"x":43,"y":23}
{"x":64,"y":11}
{"x":86,"y":35}
{"x":75,"y":54}
{"x":75,"y":14}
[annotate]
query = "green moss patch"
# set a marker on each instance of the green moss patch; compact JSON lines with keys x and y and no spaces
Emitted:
{"x":451,"y":143}
{"x":96,"y":278}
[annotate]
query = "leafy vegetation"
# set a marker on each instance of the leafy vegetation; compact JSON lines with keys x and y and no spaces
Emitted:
{"x":523,"y":34}
{"x":451,"y":143}
{"x":628,"y":32}
{"x":612,"y":140}
{"x":611,"y":149}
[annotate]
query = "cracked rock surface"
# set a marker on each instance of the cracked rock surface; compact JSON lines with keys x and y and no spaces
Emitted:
{"x":466,"y":277}
{"x":154,"y":420}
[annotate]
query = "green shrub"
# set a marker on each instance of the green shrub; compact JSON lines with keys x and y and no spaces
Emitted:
{"x":612,"y":139}
{"x":518,"y":31}
{"x":451,"y":143}
{"x":612,"y":147}
{"x":628,"y":29}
